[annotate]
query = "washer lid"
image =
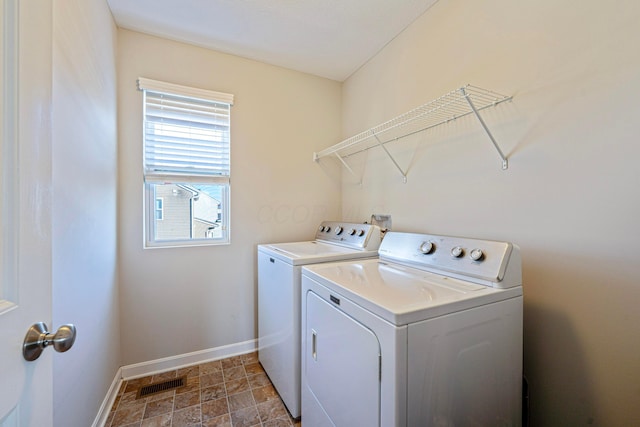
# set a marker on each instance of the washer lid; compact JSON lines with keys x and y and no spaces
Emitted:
{"x":401,"y":294}
{"x":300,"y":253}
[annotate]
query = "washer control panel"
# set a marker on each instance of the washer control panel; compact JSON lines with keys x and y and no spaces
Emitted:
{"x":485,"y":260}
{"x":354,"y":235}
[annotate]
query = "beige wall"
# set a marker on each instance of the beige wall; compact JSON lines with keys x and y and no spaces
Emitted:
{"x":175,"y":301}
{"x":84,"y":148}
{"x":570,"y":197}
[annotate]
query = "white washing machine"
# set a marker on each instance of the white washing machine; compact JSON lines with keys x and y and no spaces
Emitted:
{"x":279,"y":273}
{"x":429,"y":334}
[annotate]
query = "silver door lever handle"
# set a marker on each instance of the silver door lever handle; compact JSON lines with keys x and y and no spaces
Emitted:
{"x":38,"y":338}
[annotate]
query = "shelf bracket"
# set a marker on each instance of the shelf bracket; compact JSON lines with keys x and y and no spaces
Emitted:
{"x":404,"y":175}
{"x":346,"y":165}
{"x":316,"y":159}
{"x":505,"y":163}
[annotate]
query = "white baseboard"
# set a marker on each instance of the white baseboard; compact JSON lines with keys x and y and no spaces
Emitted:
{"x":167,"y":364}
{"x":183,"y":360}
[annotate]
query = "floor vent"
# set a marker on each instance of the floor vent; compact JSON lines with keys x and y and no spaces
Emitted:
{"x":161,"y":387}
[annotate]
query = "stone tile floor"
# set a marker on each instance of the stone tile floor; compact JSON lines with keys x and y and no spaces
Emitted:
{"x":229,"y":392}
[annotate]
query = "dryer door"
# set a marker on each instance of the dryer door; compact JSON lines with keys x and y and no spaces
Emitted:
{"x":342,"y":367}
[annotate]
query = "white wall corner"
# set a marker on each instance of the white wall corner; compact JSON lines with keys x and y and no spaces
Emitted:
{"x":109,"y":399}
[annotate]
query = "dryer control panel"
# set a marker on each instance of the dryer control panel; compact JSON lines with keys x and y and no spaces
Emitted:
{"x":488,"y":262}
{"x":353,"y":235}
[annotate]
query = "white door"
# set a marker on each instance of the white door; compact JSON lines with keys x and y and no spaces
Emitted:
{"x":25,"y":262}
{"x":342,"y":367}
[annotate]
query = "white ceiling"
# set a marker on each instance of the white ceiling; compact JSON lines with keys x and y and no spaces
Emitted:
{"x":328,"y":38}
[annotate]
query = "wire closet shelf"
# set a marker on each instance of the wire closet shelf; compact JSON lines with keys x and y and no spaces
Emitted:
{"x":450,"y":106}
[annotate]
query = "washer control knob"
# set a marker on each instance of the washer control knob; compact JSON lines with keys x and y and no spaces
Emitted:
{"x":339,"y":230}
{"x":321,"y":228}
{"x":457,"y":252}
{"x":427,"y":247}
{"x":327,"y":229}
{"x":360,"y":233}
{"x":352,"y":232}
{"x":477,"y":254}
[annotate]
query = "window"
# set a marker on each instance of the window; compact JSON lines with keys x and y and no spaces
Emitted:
{"x":159,"y":208}
{"x":186,"y":164}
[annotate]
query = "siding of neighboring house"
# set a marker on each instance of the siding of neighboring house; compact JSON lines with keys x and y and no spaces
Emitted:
{"x":205,"y":229}
{"x":176,"y":218}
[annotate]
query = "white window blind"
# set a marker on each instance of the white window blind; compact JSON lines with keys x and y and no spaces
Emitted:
{"x":186,"y":133}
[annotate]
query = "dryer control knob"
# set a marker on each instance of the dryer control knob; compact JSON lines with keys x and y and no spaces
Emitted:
{"x":457,"y":252}
{"x":477,"y":255}
{"x":427,"y":247}
{"x":339,"y":230}
{"x":360,"y":233}
{"x":352,"y":232}
{"x":327,"y":229}
{"x":321,"y":228}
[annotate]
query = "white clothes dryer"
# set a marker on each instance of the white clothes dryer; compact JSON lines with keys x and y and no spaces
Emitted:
{"x":429,"y":334}
{"x":279,"y":274}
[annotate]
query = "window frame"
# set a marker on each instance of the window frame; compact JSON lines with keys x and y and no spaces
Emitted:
{"x":153,"y":178}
